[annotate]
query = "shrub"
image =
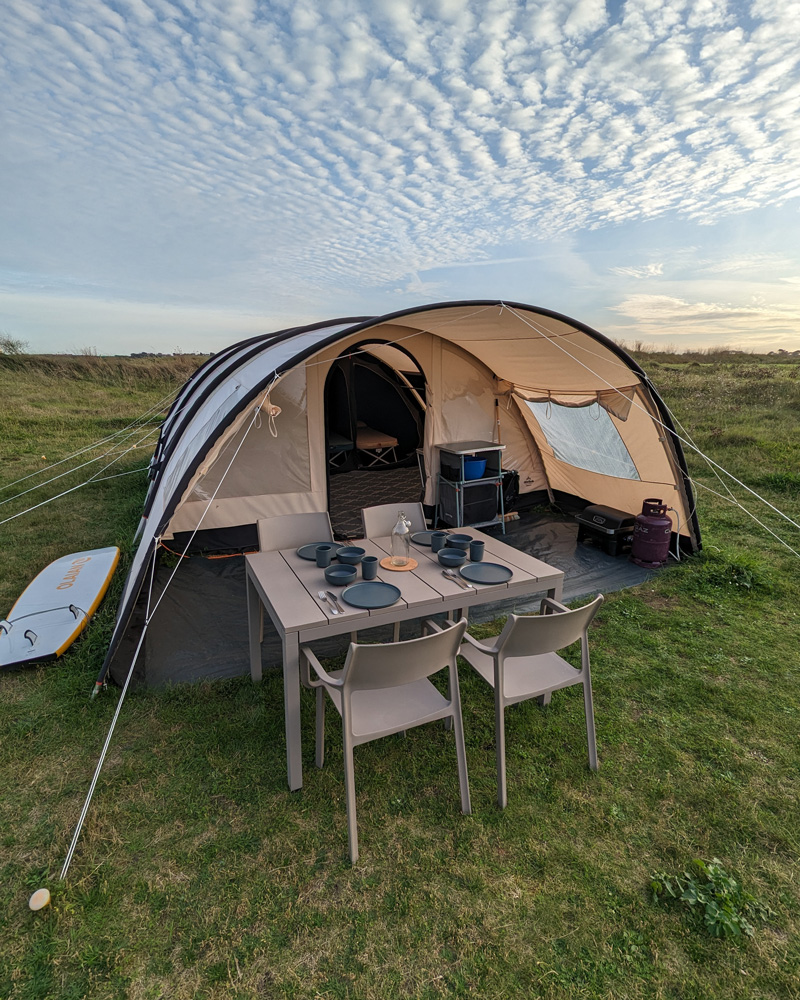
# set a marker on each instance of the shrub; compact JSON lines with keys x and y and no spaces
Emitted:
{"x":12,"y":345}
{"x":707,"y":889}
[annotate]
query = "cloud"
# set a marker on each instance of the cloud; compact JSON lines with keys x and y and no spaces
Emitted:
{"x":678,"y":320}
{"x":642,"y":271}
{"x":252,"y":152}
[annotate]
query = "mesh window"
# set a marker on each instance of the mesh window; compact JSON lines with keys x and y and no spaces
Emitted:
{"x":585,"y":437}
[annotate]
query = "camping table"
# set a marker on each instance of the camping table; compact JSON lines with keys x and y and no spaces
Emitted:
{"x":287,"y":587}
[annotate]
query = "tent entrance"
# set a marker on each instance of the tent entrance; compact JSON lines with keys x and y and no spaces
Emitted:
{"x":374,"y":410}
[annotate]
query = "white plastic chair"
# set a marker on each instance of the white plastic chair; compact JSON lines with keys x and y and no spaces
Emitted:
{"x":289,"y":531}
{"x":379,"y":521}
{"x":384,"y":689}
{"x":522,"y":663}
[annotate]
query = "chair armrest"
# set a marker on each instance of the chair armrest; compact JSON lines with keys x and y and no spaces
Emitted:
{"x":491,"y":650}
{"x":549,"y":602}
{"x":319,"y":670}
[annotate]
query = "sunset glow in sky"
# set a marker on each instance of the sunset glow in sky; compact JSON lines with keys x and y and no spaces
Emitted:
{"x":179,"y":174}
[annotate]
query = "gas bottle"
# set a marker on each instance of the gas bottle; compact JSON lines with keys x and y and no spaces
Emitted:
{"x":652,"y":532}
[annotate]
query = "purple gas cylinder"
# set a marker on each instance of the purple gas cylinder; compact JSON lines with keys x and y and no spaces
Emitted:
{"x":652,"y":533}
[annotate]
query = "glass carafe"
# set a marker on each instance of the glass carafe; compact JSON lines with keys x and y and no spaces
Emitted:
{"x":401,"y":540}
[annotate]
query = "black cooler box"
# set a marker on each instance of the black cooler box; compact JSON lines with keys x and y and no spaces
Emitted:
{"x":607,"y":527}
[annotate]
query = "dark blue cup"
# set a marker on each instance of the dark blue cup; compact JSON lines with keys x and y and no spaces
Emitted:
{"x":476,"y":550}
{"x":324,"y":554}
{"x":438,"y":540}
{"x":369,"y":567}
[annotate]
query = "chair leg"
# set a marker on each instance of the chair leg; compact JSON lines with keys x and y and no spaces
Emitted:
{"x":350,"y":796}
{"x":396,"y":632}
{"x":500,"y":749}
{"x":544,"y":699}
{"x":461,"y":756}
{"x":320,"y":726}
{"x":590,"y":734}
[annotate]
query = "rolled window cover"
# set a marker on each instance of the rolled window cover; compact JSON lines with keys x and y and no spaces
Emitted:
{"x":616,"y":401}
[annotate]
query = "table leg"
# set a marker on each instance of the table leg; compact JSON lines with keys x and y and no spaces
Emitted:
{"x":556,"y":592}
{"x":254,"y":613}
{"x":291,"y":708}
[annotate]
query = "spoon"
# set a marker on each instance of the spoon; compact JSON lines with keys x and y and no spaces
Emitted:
{"x":324,"y":597}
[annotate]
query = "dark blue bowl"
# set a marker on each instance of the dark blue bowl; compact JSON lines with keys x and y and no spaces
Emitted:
{"x":340,"y":575}
{"x":452,"y":557}
{"x":350,"y":554}
{"x":458,"y":541}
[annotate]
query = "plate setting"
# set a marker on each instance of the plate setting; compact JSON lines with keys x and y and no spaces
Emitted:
{"x":371,"y":595}
{"x":309,"y":551}
{"x":483,"y":572}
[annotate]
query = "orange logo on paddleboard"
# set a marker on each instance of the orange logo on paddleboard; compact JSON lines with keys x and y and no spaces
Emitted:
{"x":72,"y":574}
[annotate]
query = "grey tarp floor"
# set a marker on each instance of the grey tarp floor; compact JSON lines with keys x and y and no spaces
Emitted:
{"x":200,"y":629}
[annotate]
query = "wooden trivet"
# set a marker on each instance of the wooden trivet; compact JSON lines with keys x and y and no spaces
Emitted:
{"x":386,"y":563}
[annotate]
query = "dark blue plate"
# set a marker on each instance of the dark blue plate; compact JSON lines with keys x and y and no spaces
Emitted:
{"x":371,"y":595}
{"x":422,"y":537}
{"x":482,"y":572}
{"x":310,"y":551}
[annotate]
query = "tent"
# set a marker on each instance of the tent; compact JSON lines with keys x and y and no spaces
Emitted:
{"x":250,"y":435}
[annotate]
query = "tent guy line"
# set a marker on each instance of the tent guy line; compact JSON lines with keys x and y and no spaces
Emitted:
{"x":96,"y":478}
{"x":156,"y":408}
{"x":83,"y":465}
{"x":148,"y":618}
{"x":81,"y":819}
{"x":737,"y":503}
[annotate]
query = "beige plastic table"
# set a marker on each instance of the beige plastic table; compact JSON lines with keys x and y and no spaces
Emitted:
{"x":287,"y":587}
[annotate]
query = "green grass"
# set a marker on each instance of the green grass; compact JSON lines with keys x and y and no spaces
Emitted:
{"x":199,"y":875}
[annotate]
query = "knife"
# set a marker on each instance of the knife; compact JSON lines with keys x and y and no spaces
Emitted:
{"x":332,"y":597}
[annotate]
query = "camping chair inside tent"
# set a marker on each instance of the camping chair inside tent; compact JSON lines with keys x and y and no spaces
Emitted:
{"x":384,"y":689}
{"x":522,"y":663}
{"x":339,"y":448}
{"x":377,"y":446}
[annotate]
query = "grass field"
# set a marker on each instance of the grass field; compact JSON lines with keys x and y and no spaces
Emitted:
{"x":199,"y":876}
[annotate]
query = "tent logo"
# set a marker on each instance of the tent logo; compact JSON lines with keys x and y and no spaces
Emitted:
{"x":72,"y":574}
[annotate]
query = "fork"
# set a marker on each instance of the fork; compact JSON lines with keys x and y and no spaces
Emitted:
{"x":324,"y":597}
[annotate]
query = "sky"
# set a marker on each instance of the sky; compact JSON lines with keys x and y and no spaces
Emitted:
{"x":176,"y":175}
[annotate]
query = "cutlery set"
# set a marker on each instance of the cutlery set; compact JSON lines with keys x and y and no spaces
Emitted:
{"x":330,"y":600}
{"x":452,"y":575}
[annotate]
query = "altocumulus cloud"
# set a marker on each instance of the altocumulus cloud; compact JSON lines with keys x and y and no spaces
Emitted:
{"x":269,"y":150}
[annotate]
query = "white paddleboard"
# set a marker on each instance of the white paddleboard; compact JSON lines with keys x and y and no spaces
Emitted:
{"x":55,"y":606}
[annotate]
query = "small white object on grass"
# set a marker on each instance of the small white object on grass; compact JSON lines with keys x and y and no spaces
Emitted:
{"x":39,"y":899}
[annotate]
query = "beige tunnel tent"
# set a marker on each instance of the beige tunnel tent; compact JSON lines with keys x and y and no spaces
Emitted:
{"x":247,"y":437}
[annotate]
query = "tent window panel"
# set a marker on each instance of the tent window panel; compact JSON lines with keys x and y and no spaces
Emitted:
{"x":586,"y":438}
